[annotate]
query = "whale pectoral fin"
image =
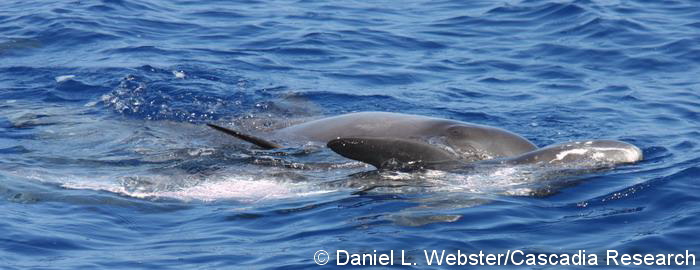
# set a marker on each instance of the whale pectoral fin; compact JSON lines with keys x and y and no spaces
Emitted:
{"x":392,"y":153}
{"x":248,"y":138}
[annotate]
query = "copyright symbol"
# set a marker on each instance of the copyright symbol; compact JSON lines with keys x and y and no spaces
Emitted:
{"x":321,"y":257}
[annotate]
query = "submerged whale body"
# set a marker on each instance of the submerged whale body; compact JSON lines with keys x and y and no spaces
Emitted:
{"x":390,"y":153}
{"x":403,"y":141}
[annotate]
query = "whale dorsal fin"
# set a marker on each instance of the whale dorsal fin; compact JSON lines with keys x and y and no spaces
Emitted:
{"x":248,"y":138}
{"x":393,"y":153}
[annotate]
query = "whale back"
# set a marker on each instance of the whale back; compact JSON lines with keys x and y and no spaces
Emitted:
{"x":470,"y":142}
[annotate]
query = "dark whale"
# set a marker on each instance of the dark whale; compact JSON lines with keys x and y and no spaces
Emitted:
{"x":465,"y":141}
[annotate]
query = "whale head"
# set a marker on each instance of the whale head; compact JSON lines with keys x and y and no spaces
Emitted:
{"x":476,"y":142}
{"x":586,"y":152}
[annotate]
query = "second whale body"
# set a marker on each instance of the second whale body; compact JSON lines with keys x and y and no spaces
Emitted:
{"x":391,"y":153}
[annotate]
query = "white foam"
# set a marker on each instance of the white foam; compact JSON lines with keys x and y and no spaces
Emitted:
{"x":64,"y":78}
{"x":392,"y":175}
{"x":243,"y":190}
{"x":500,"y":180}
{"x":179,"y":74}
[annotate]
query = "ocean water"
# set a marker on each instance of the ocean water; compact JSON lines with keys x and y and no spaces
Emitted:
{"x":105,"y":161}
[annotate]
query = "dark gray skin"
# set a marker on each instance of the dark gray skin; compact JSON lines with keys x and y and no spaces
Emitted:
{"x":392,"y":154}
{"x":471,"y":142}
{"x":467,"y":142}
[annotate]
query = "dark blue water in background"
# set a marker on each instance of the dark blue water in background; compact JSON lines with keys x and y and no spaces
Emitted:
{"x":105,"y":162}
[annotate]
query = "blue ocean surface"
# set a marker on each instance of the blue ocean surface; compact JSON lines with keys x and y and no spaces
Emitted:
{"x":106,"y":161}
